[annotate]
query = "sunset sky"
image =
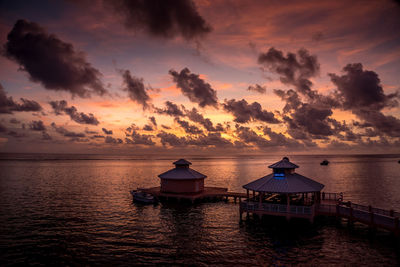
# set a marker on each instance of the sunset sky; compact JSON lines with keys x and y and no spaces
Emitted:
{"x":215,"y":77}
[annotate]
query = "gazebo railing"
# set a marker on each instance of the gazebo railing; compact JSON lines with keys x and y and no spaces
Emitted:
{"x":274,"y":208}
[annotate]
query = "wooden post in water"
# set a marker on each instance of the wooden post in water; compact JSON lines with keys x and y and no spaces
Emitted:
{"x":351,"y":218}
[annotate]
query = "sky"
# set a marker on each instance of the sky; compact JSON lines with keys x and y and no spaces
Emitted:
{"x":199,"y":77}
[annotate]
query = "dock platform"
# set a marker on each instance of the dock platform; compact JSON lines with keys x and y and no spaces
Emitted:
{"x":209,"y":193}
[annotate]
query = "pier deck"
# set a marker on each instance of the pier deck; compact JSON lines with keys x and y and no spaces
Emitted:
{"x":207,"y":193}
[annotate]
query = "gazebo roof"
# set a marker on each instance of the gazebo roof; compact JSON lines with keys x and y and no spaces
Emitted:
{"x":284,"y":183}
{"x":182,"y":162}
{"x":179,"y":173}
{"x":283,"y":164}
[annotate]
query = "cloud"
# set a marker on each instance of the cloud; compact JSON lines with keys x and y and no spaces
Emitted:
{"x":61,"y":130}
{"x":161,"y":18}
{"x":135,"y":88}
{"x":61,"y":107}
{"x":195,"y":116}
{"x":46,"y":136}
{"x":294,"y":69}
{"x":171,"y":139}
{"x":244,"y":112}
{"x":14,"y":121}
{"x":37,"y":126}
{"x":8,"y":105}
{"x":139,"y":139}
{"x":50,"y":61}
{"x":359,"y":88}
{"x":257,"y":88}
{"x":195,"y":88}
{"x":361,"y":92}
{"x":170,"y":109}
{"x":2,"y":128}
{"x":153,"y":121}
{"x":211,"y":139}
{"x":148,"y":128}
{"x":107,"y":131}
{"x":111,"y":140}
{"x":190,"y":129}
{"x":16,"y":134}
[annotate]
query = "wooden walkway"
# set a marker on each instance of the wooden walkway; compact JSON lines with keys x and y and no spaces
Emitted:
{"x":373,"y":217}
{"x":209,"y":193}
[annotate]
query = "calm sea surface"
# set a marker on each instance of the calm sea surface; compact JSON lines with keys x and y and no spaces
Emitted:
{"x":77,"y":210}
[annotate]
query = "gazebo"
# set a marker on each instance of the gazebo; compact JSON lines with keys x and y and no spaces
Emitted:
{"x":182,"y":179}
{"x":282,"y":193}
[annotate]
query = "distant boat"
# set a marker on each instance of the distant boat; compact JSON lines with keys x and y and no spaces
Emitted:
{"x":324,"y":162}
{"x":142,"y":197}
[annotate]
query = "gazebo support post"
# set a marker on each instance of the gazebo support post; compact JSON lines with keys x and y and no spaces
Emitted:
{"x":248,"y":195}
{"x":288,"y":207}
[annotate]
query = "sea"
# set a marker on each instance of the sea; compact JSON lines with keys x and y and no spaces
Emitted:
{"x":77,"y":210}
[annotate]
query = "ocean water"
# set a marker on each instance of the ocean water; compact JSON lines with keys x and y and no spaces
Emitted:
{"x":77,"y":210}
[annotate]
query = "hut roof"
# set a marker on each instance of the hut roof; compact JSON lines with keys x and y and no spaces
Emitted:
{"x":182,"y":174}
{"x":284,"y":183}
{"x":182,"y":162}
{"x":283,"y":164}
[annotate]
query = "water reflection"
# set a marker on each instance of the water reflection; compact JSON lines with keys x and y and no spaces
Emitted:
{"x":80,"y":212}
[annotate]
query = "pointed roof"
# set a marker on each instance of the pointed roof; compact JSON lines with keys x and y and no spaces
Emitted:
{"x":283,"y":164}
{"x":284,"y":183}
{"x":182,"y":162}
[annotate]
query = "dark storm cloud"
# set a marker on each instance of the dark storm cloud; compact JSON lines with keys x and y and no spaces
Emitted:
{"x":111,"y":140}
{"x":107,"y":131}
{"x":306,"y":121}
{"x":170,"y":109}
{"x":361,"y":92}
{"x":257,"y":88}
{"x":190,"y":129}
{"x":162,"y":18}
{"x":37,"y":126}
{"x":61,"y":107}
{"x":294,"y":69}
{"x":139,"y":139}
{"x":52,"y":62}
{"x":61,"y":130}
{"x":244,"y":112}
{"x":195,"y":88}
{"x":359,"y":88}
{"x":136,"y":90}
{"x":8,"y":105}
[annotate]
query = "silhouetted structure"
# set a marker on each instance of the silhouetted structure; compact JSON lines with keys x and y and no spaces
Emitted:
{"x":283,"y":193}
{"x":182,"y":179}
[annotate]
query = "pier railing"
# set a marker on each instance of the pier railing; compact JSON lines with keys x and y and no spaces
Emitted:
{"x":275,"y":208}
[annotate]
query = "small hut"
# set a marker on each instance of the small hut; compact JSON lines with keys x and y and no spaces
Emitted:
{"x":283,"y":192}
{"x":182,"y":179}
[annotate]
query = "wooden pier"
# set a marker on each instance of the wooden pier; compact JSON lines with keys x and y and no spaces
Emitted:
{"x":331,"y":204}
{"x":209,"y":193}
